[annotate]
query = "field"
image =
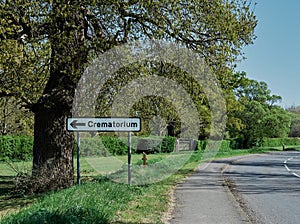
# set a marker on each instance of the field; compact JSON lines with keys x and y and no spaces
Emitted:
{"x":97,"y":199}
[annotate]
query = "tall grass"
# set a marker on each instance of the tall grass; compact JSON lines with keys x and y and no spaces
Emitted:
{"x":96,"y":202}
{"x":104,"y":201}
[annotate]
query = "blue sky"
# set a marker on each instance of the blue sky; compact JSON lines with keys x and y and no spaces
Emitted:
{"x":275,"y":55}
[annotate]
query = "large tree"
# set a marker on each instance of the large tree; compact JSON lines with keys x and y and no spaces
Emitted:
{"x":295,"y":123}
{"x":54,"y":40}
{"x":256,"y":116}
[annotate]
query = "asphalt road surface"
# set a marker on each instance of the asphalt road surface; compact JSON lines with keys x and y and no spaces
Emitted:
{"x":251,"y":189}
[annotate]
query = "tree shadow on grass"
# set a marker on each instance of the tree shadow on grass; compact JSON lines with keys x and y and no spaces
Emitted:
{"x":291,"y":149}
{"x":10,"y":199}
{"x":6,"y":185}
{"x":75,"y":215}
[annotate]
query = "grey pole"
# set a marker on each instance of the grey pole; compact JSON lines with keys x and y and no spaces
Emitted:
{"x":78,"y":158}
{"x":129,"y":158}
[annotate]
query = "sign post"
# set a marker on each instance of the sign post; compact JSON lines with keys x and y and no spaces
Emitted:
{"x":78,"y":158}
{"x":104,"y":124}
{"x":129,"y":158}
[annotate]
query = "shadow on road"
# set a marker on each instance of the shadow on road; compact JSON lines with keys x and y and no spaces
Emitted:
{"x":264,"y":175}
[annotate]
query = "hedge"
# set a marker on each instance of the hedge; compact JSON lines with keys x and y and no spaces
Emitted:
{"x":115,"y":146}
{"x":277,"y":142}
{"x":91,"y":147}
{"x":104,"y":145}
{"x":168,"y":144}
{"x":154,"y":144}
{"x":224,"y":146}
{"x":16,"y":147}
{"x":20,"y":147}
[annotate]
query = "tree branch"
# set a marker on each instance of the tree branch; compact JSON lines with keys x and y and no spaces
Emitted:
{"x":5,"y":94}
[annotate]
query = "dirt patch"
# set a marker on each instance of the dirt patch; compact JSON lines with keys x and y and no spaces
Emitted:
{"x":168,"y":215}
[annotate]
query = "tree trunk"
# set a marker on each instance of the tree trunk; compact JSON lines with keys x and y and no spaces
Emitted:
{"x":52,"y":151}
{"x":53,"y":144}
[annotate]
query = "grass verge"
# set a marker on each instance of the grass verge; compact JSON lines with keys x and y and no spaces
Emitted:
{"x":101,"y":200}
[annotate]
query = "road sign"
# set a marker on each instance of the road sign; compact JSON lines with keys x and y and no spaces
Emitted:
{"x":104,"y":124}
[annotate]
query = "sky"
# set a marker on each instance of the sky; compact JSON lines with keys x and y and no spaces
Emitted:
{"x":275,"y":55}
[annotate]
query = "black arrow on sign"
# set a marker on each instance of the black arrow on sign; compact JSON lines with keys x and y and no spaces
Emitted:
{"x":74,"y":124}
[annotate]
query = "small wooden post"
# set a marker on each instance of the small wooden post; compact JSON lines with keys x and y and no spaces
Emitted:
{"x":144,"y":159}
{"x":177,"y":145}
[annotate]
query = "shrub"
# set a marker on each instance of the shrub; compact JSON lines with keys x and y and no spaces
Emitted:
{"x":201,"y":146}
{"x":92,"y":147}
{"x":114,"y":145}
{"x":154,"y":144}
{"x":149,"y":145}
{"x":16,"y":147}
{"x":237,"y":143}
{"x":225,"y":146}
{"x":277,"y":142}
{"x":168,"y":144}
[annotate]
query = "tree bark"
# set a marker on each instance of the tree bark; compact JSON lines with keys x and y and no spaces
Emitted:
{"x":53,"y":144}
{"x":52,"y":151}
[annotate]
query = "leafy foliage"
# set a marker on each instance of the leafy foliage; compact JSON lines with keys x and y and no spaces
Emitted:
{"x":257,"y":115}
{"x":15,"y":147}
{"x":295,"y":121}
{"x":154,"y":144}
{"x":167,"y":144}
{"x":14,"y":120}
{"x":278,"y":142}
{"x":114,"y":145}
{"x":47,"y":45}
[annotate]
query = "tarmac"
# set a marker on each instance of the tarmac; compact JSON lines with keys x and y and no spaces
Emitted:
{"x":205,"y":198}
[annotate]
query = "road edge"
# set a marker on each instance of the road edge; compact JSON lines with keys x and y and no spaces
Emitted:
{"x":236,"y":195}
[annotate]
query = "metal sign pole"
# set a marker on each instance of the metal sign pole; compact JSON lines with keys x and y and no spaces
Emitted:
{"x":78,"y":158}
{"x":104,"y":124}
{"x":129,"y":158}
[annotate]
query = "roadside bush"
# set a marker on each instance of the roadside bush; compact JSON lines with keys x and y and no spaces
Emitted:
{"x":225,"y":146}
{"x":277,"y":142}
{"x":149,"y":145}
{"x":114,"y":145}
{"x":201,"y":146}
{"x":236,"y":143}
{"x":16,"y":147}
{"x":167,"y":144}
{"x":104,"y":145}
{"x":92,"y":147}
{"x":154,"y":144}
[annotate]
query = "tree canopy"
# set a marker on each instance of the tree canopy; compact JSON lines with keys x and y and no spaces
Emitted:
{"x":257,"y":116}
{"x":46,"y":45}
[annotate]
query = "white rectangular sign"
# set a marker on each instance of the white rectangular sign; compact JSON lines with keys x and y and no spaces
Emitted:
{"x":104,"y":124}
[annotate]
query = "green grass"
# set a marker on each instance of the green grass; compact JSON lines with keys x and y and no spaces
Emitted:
{"x":95,"y":202}
{"x":100,"y":200}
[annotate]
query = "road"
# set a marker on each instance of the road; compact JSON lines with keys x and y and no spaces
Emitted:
{"x":251,"y":189}
{"x":269,"y":185}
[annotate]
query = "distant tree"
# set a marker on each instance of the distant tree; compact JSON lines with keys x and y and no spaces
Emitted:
{"x":294,"y":109}
{"x":258,"y":116}
{"x":295,"y":123}
{"x":252,"y":90}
